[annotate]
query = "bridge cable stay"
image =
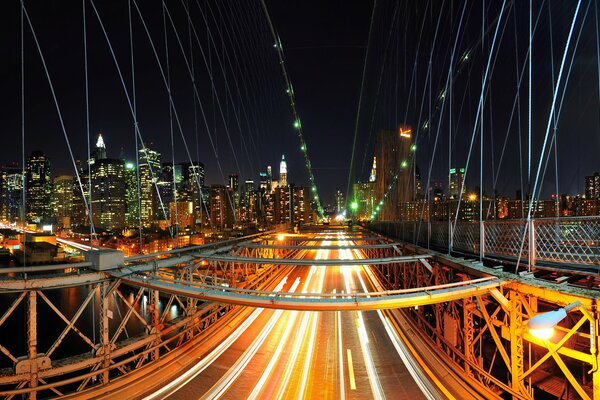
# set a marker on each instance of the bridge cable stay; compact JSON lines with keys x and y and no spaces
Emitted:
{"x":246,"y":53}
{"x":226,"y":63}
{"x":23,"y":169}
{"x":441,"y":98}
{"x":168,"y":71}
{"x":144,"y":149}
{"x":56,"y":105}
{"x":87,"y":129}
{"x":554,"y":119}
{"x":516,"y":106}
{"x":228,"y":94}
{"x":429,"y":78}
{"x":378,"y":92}
{"x":549,"y":125}
{"x":239,"y":71}
{"x":413,"y":79}
{"x":236,"y":82}
{"x":479,"y":113}
{"x":445,"y":90}
{"x":135,"y":138}
{"x":554,"y":116}
{"x":159,"y":63}
{"x":292,"y":99}
{"x":360,"y":96}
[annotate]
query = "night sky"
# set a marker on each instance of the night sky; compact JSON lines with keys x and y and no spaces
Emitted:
{"x":243,"y":118}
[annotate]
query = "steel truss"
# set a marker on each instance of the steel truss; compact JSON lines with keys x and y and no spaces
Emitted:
{"x":124,"y":338}
{"x":486,"y":337}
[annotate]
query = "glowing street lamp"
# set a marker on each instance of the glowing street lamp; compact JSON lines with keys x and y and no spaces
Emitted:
{"x":281,"y":237}
{"x":542,"y":325}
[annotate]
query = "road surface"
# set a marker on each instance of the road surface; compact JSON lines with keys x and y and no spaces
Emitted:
{"x":300,"y":354}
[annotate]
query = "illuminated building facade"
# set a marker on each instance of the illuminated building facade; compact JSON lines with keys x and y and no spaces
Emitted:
{"x":108,"y":193}
{"x":11,"y":193}
{"x":62,"y":200}
{"x":457,"y":176}
{"x":592,"y":186}
{"x":38,"y":185}
{"x":149,"y":167}
{"x":392,"y":154}
{"x":283,"y":172}
{"x":364,"y":195}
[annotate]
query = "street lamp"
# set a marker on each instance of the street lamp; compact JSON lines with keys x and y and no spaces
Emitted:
{"x":281,"y":237}
{"x":542,"y":325}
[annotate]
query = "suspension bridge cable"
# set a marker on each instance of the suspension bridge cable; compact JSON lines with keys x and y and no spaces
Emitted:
{"x":554,"y":97}
{"x":23,"y":168}
{"x":55,"y":99}
{"x":360,"y":96}
{"x":196,"y":92}
{"x":135,"y":127}
{"x":87,"y":129}
{"x":174,"y":185}
{"x":296,"y":116}
{"x":479,"y":110}
{"x":144,"y":149}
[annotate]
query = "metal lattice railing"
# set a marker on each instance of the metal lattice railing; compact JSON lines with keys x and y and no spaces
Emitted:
{"x":506,"y":238}
{"x":572,"y":240}
{"x":568,"y":240}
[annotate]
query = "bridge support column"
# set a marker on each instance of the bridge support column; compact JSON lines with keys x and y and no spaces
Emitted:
{"x":104,"y":331}
{"x":469,"y":333}
{"x":32,"y":341}
{"x":596,"y":354}
{"x":516,"y":345}
{"x":154,"y":300}
{"x":190,"y":305}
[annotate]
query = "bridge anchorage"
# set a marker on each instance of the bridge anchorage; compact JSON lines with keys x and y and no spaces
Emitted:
{"x":147,"y":312}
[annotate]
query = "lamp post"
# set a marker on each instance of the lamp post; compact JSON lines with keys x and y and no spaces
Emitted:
{"x":542,"y":325}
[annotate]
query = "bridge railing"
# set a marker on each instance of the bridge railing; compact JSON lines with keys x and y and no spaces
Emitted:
{"x":565,"y":240}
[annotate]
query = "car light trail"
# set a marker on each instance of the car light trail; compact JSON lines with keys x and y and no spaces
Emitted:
{"x":197,"y":369}
{"x":234,"y":372}
{"x":363,"y":339}
{"x":411,"y":364}
{"x":338,"y":327}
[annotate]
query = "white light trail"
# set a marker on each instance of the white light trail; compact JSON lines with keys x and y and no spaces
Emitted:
{"x":410,"y":363}
{"x":197,"y":369}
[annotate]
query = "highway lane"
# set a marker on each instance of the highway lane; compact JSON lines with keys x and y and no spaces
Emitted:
{"x":327,"y":355}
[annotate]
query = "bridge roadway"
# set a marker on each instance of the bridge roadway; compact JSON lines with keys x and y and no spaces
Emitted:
{"x":300,"y":354}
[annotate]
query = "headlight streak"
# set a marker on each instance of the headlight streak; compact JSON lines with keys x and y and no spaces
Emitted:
{"x":376,"y":388}
{"x":411,"y":365}
{"x":204,"y":363}
{"x":236,"y":369}
{"x":315,"y":317}
{"x":283,"y":341}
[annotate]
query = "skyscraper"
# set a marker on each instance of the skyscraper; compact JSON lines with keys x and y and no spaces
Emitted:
{"x":456,"y":182}
{"x":100,"y":152}
{"x":149,"y":164}
{"x":38,"y":184}
{"x":283,"y":173}
{"x":11,"y":193}
{"x":392,"y":176}
{"x":131,"y":195}
{"x":194,"y":175}
{"x":108,"y":178}
{"x":592,"y":186}
{"x":108,"y":193}
{"x":62,"y":200}
{"x":269,"y":179}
